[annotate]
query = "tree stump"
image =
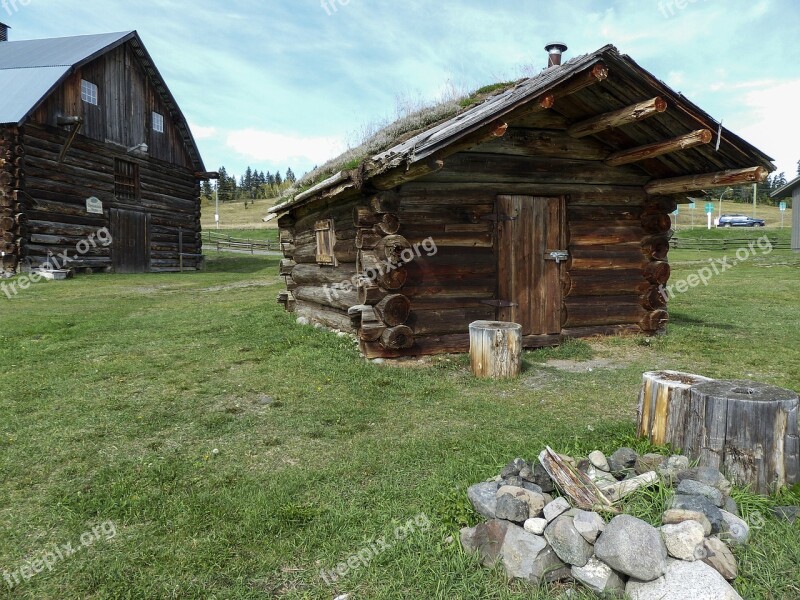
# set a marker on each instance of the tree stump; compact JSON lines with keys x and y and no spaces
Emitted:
{"x":664,"y":406}
{"x":495,"y":349}
{"x":746,"y":429}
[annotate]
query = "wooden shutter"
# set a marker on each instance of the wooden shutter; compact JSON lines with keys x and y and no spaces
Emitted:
{"x":326,"y":240}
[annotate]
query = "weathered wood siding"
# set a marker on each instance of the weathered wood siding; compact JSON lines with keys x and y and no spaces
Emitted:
{"x":126,"y":101}
{"x":55,"y":201}
{"x":616,"y":236}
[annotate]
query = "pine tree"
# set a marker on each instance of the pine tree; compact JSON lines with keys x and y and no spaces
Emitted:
{"x":292,"y":179}
{"x":278,"y":179}
{"x":207,"y":192}
{"x":798,"y":168}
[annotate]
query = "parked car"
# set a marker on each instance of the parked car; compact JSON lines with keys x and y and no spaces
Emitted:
{"x":740,"y":221}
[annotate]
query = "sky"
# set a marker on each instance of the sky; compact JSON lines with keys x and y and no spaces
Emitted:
{"x":291,"y":83}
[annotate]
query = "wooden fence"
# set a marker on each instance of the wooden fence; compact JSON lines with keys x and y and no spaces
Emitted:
{"x":679,"y":243}
{"x":222,"y":241}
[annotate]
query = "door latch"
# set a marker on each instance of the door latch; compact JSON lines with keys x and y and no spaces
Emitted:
{"x":558,"y":255}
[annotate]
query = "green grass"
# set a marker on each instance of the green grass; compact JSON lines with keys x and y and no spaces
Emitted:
{"x":116,"y":390}
{"x":270,"y":235}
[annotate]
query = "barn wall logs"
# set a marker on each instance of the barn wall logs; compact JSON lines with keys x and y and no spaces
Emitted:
{"x":55,"y":194}
{"x":13,"y":221}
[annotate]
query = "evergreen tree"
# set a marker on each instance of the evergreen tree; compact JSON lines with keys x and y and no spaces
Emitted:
{"x":278,"y":179}
{"x":798,"y":168}
{"x":290,"y":177}
{"x":207,"y":191}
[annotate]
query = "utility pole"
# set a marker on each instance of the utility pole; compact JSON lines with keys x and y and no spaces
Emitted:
{"x":755,"y":199}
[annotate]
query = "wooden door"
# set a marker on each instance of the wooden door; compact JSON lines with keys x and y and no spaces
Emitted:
{"x":130,"y":249}
{"x":530,"y":234}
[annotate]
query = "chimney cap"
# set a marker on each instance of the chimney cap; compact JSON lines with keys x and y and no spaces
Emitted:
{"x":556,"y":46}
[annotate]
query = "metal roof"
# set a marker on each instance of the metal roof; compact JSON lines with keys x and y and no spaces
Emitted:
{"x":786,"y":190}
{"x":31,"y":69}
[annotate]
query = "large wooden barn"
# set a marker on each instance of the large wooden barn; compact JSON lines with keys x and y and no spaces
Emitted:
{"x":91,"y":139}
{"x":547,"y":204}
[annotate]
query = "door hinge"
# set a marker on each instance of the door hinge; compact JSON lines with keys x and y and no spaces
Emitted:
{"x":500,"y":303}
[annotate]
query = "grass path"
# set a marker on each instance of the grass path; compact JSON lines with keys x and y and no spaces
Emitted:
{"x":116,"y":391}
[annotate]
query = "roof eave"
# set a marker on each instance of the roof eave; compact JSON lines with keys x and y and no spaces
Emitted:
{"x":786,"y":190}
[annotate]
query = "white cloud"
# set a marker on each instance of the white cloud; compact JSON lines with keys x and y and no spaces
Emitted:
{"x":279,"y":148}
{"x":202,"y":133}
{"x":768,"y":124}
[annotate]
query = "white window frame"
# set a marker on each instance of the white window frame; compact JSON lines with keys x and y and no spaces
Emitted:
{"x":158,"y":122}
{"x":89,"y":92}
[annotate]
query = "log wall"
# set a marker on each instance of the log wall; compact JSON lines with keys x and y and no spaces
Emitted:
{"x":54,"y":196}
{"x":618,"y":239}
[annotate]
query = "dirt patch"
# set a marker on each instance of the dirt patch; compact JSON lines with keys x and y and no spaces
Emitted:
{"x":237,"y":286}
{"x":583,"y":366}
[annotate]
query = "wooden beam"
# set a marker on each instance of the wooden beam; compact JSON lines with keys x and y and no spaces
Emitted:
{"x":692,"y":183}
{"x":683,"y":142}
{"x":618,"y":118}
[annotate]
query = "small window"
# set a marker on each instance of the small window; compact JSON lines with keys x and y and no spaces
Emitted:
{"x":126,"y":180}
{"x":88,"y":92}
{"x":326,"y":240}
{"x":158,"y":122}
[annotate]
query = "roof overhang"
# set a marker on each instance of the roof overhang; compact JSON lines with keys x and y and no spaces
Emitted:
{"x":787,"y":190}
{"x":425,"y":152}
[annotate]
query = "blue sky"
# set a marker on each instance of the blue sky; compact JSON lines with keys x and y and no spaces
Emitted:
{"x":291,"y":82}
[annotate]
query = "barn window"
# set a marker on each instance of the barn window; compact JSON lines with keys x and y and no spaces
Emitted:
{"x":158,"y":122}
{"x":89,"y":92}
{"x":326,"y":240}
{"x":126,"y":180}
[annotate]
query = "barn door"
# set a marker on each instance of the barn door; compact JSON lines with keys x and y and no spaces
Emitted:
{"x":531,"y":244}
{"x":130,"y":249}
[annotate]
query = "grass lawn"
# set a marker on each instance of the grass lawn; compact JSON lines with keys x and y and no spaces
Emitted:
{"x":234,"y":215}
{"x":237,"y":454}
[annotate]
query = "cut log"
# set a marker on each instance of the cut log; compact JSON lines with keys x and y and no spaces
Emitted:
{"x":656,"y":222}
{"x":393,"y":310}
{"x":746,"y":429}
{"x":618,"y":118}
{"x":389,"y":224}
{"x":656,"y":247}
{"x":683,"y":142}
{"x":397,"y":338}
{"x":393,"y":248}
{"x":367,"y":239}
{"x":655,"y":321}
{"x":604,"y":282}
{"x":286,"y":267}
{"x":658,"y":272}
{"x":693,"y":183}
{"x":664,"y":404}
{"x":341,"y":299}
{"x":364,"y":217}
{"x":314,"y":275}
{"x":495,"y":349}
{"x":371,"y":293}
{"x":655,"y":298}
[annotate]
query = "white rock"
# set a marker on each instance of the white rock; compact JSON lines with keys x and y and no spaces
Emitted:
{"x":535,"y":526}
{"x":676,"y":515}
{"x":556,"y":508}
{"x":302,"y":321}
{"x":684,"y":581}
{"x":599,"y":577}
{"x":589,"y":524}
{"x":599,"y":460}
{"x":684,"y":540}
{"x":735,"y":531}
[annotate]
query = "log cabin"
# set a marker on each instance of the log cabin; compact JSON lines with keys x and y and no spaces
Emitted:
{"x":92,"y":139}
{"x":545,"y":204}
{"x":791,"y":191}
